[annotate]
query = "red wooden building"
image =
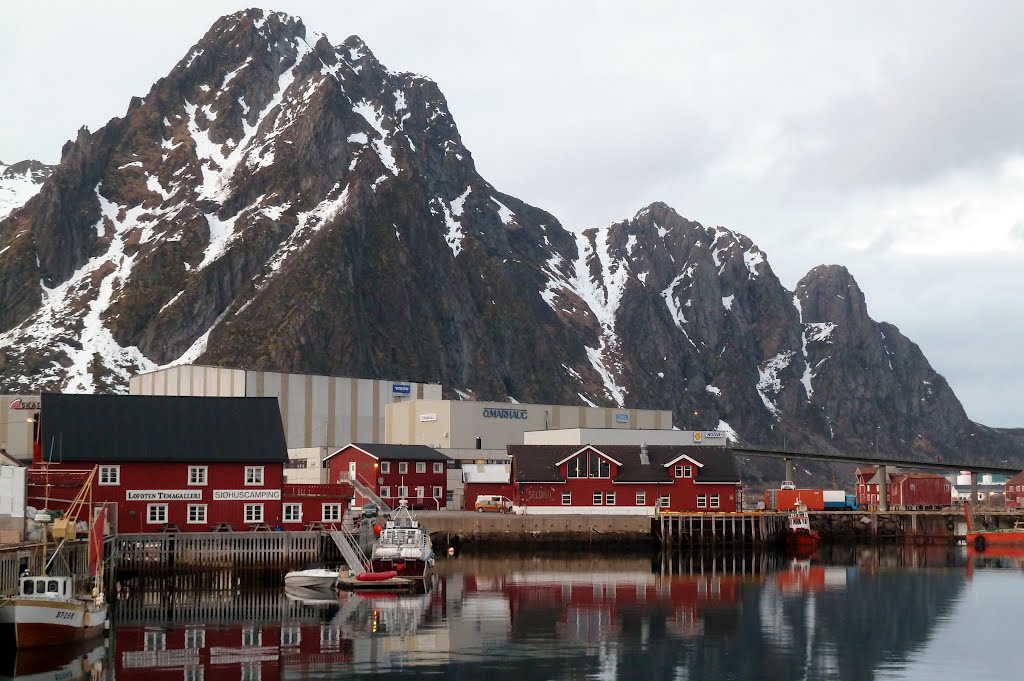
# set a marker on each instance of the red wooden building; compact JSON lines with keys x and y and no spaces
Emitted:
{"x":416,"y":473}
{"x":622,"y":479}
{"x":1015,"y":491}
{"x":905,"y":491}
{"x":191,"y":464}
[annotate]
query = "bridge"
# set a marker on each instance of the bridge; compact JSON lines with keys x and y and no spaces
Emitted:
{"x":881,"y":462}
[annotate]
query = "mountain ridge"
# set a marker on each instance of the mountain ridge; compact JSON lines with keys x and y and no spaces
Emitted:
{"x":282,"y":203}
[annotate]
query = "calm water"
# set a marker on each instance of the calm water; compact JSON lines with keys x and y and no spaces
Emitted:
{"x":852,"y":615}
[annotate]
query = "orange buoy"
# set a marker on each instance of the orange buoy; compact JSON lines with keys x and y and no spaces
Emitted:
{"x":377,"y":530}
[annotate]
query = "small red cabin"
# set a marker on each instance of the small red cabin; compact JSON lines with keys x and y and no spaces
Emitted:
{"x":416,"y":473}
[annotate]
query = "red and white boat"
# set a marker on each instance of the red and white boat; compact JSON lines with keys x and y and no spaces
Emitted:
{"x":47,"y":610}
{"x":983,"y":539}
{"x":799,"y":535}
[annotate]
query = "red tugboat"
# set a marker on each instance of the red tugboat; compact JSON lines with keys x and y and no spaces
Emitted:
{"x":799,"y":535}
{"x":988,"y":539}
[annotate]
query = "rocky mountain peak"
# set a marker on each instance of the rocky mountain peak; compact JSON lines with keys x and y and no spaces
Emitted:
{"x":829,"y":293}
{"x":19,"y":182}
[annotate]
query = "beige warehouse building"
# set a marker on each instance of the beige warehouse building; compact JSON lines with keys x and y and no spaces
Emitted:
{"x":317,"y":411}
{"x":450,"y":425}
{"x":17,"y":427}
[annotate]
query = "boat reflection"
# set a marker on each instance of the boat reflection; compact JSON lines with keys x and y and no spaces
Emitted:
{"x":60,"y":663}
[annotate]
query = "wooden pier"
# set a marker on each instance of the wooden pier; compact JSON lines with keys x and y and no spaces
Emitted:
{"x":143,"y":553}
{"x":718,"y":529}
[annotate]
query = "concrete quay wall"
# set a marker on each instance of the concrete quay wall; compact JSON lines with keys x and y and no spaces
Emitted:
{"x":454,"y":528}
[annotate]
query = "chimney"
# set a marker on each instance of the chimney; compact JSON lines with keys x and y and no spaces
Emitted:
{"x":644,"y":459}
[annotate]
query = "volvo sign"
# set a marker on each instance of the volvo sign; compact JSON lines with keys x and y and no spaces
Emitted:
{"x":401,"y":389}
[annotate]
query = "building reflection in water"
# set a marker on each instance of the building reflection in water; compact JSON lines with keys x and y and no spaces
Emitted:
{"x":748,"y":616}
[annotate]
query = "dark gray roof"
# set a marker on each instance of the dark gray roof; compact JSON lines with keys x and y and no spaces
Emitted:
{"x":100,"y":428}
{"x":536,"y":463}
{"x":400,"y":452}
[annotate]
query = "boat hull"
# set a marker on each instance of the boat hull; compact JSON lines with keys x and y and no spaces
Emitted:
{"x":983,"y":540}
{"x":413,"y":568}
{"x":321,"y":582}
{"x":37,"y":623}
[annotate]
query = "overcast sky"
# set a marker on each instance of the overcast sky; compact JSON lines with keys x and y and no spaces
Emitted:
{"x":887,"y":137}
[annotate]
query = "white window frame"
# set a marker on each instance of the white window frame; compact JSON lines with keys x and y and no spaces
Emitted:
{"x":154,"y":640}
{"x":385,"y":466}
{"x":291,"y":636}
{"x":403,"y":467}
{"x":438,"y":491}
{"x":195,"y":638}
{"x":249,"y":514}
{"x":609,"y":499}
{"x":679,"y":471}
{"x":702,"y":501}
{"x":200,"y":516}
{"x":110,"y":475}
{"x":330,"y":513}
{"x":403,"y":492}
{"x":598,"y":498}
{"x":198,"y":476}
{"x":385,"y":492}
{"x":421,"y":466}
{"x":156,"y":510}
{"x":438,"y":467}
{"x":641,"y":498}
{"x":687,"y":471}
{"x":566,"y":499}
{"x":254,"y":476}
{"x":714,"y":501}
{"x":252,"y":636}
{"x":285,"y":508}
{"x":665,"y":501}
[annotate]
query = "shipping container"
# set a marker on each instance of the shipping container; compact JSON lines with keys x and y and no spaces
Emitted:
{"x":786,"y":499}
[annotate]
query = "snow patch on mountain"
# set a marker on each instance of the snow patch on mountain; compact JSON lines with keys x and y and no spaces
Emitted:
{"x":18,"y":184}
{"x":768,"y":382}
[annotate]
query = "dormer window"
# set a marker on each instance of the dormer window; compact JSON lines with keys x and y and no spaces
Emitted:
{"x":589,"y":466}
{"x":684,"y":471}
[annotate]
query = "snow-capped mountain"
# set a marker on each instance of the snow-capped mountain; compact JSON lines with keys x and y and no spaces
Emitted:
{"x":281,"y":202}
{"x":19,"y":182}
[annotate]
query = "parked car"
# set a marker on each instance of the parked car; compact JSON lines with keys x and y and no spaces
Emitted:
{"x":493,"y":502}
{"x":371,"y":511}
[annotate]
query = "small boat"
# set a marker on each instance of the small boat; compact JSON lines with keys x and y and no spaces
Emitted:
{"x":403,"y":546}
{"x":982,"y":539}
{"x":799,"y":535}
{"x":312,"y":578}
{"x":48,"y":610}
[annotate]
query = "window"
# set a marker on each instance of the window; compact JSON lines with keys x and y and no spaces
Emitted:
{"x":254,"y":513}
{"x":253,"y":475}
{"x":196,"y":514}
{"x":251,"y":636}
{"x":609,"y":499}
{"x":598,"y":498}
{"x":110,"y":475}
{"x":702,"y":501}
{"x":679,"y":471}
{"x":403,"y":467}
{"x":385,"y":492}
{"x":714,"y":501}
{"x":421,"y":466}
{"x":28,"y":587}
{"x":156,"y":513}
{"x":641,"y":498}
{"x":403,"y":492}
{"x":291,"y":636}
{"x":192,"y":673}
{"x":331,"y":513}
{"x":589,"y":466}
{"x":195,"y":639}
{"x":566,"y":499}
{"x":385,"y":466}
{"x":250,"y":671}
{"x":913,"y":487}
{"x":438,"y":467}
{"x":449,"y":496}
{"x":687,"y":471}
{"x":438,"y":492}
{"x":197,"y":475}
{"x":665,"y":500}
{"x":292,"y":513}
{"x":154,"y":640}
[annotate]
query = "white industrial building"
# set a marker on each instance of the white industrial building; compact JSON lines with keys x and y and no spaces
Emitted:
{"x":17,"y":426}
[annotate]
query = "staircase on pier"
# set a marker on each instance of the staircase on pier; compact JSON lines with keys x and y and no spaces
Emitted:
{"x":347,"y":543}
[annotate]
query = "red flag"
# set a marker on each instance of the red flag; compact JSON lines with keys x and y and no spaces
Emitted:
{"x":96,"y":541}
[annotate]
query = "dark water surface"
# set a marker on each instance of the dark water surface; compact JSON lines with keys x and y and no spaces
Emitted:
{"x":853,"y":614}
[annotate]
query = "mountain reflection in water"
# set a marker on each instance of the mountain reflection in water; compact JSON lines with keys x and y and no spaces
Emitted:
{"x":851,"y":614}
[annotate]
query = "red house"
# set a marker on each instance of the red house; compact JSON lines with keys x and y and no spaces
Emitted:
{"x":1015,"y":491}
{"x":416,"y":473}
{"x":190,"y":464}
{"x":622,"y":479}
{"x":905,"y":491}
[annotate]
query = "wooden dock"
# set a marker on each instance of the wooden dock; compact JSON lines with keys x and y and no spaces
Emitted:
{"x":188,"y":551}
{"x":718,"y":529}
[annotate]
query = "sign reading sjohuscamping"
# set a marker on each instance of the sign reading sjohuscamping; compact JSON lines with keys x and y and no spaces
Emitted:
{"x":246,"y":494}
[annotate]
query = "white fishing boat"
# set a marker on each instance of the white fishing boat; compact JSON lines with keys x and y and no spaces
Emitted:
{"x":49,"y":610}
{"x":403,"y":546}
{"x":312,"y":578}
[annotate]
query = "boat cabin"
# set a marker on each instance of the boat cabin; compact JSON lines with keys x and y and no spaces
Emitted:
{"x":46,"y":586}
